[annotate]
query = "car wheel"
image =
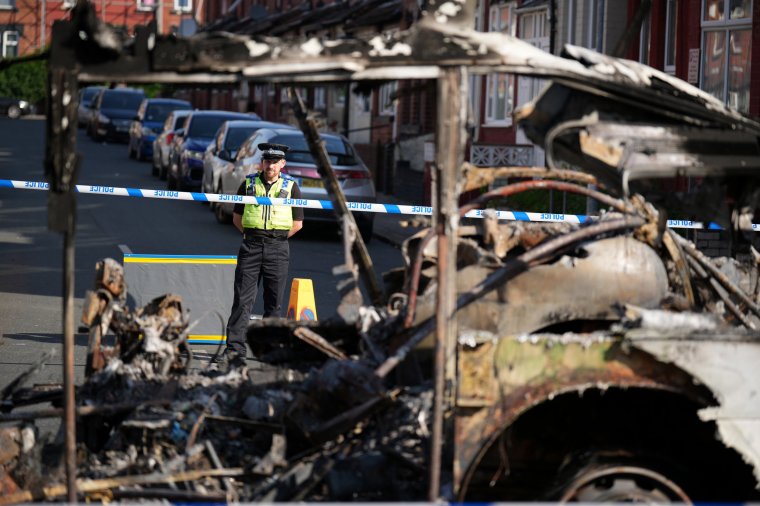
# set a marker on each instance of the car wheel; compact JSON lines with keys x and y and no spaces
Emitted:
{"x":365,"y":229}
{"x":221,"y":216}
{"x":14,"y":112}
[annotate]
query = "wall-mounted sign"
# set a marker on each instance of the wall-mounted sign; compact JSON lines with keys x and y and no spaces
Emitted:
{"x":693,"y":76}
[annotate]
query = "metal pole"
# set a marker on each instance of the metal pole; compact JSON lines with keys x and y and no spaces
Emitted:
{"x":450,"y":144}
{"x":68,"y":364}
{"x":61,"y":168}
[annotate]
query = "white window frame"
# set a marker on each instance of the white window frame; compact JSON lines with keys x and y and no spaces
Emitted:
{"x":180,"y":8}
{"x":529,"y":87}
{"x":386,"y":106}
{"x":493,"y":117}
{"x":68,"y":4}
{"x":7,"y":42}
{"x":11,"y":6}
{"x":141,"y":5}
{"x":726,"y":26}
{"x":671,"y":29}
{"x":726,"y":21}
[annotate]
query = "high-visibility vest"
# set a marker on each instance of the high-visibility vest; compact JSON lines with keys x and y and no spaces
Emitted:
{"x":268,"y":217}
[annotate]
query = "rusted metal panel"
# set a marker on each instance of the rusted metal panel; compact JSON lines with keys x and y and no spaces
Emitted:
{"x":505,"y":376}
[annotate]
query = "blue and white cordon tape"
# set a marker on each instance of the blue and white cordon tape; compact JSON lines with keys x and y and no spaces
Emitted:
{"x":367,"y":207}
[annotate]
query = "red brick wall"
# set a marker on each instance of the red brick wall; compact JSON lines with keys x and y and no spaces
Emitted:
{"x":754,"y":85}
{"x":28,"y":19}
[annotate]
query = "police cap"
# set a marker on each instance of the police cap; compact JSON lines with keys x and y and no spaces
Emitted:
{"x":272,"y":151}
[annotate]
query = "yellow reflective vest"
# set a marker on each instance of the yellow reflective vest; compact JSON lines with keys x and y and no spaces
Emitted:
{"x":265,"y":217}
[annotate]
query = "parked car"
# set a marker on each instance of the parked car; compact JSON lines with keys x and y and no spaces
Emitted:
{"x":190,"y":143}
{"x":87,"y":97}
{"x":148,"y":122}
{"x":162,"y":144}
{"x":113,"y":112}
{"x":15,"y":107}
{"x":354,"y":176}
{"x":221,"y":153}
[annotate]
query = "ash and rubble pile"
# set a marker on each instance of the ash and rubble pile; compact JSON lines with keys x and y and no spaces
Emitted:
{"x":145,"y":422}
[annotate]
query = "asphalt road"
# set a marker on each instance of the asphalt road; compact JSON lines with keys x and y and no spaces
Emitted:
{"x":31,"y":257}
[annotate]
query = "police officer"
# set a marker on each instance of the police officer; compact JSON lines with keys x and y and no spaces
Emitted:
{"x":264,"y":252}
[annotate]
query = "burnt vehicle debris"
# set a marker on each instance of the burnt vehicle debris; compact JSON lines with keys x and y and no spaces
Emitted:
{"x":603,"y":361}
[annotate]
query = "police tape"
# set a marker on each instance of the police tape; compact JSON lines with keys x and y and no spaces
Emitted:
{"x":368,"y":207}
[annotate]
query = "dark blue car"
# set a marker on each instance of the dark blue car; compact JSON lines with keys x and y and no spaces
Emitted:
{"x":148,"y":124}
{"x":191,"y":141}
{"x":113,"y":112}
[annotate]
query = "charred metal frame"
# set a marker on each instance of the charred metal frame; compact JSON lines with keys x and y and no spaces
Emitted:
{"x":440,"y":46}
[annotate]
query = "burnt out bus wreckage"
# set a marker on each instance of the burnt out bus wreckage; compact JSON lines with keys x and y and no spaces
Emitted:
{"x":607,"y":361}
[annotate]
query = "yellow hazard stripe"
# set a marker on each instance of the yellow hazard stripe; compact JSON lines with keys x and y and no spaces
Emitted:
{"x":206,"y":261}
{"x":202,"y":338}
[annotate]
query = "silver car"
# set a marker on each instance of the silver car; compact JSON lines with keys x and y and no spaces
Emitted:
{"x":222,"y":151}
{"x":86,"y":97}
{"x":162,"y":143}
{"x":355,"y":178}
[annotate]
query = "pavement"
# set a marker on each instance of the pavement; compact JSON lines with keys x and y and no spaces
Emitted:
{"x":390,"y":228}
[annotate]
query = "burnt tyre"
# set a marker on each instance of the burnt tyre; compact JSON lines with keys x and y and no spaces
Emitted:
{"x":171,"y":181}
{"x":616,"y":478}
{"x":616,"y":445}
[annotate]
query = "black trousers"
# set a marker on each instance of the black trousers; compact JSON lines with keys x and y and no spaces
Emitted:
{"x":259,"y":259}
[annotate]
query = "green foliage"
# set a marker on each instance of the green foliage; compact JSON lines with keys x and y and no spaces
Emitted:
{"x":543,"y":201}
{"x":27,"y":81}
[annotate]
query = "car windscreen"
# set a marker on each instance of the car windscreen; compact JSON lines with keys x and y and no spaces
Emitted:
{"x":121,"y":100}
{"x":159,"y":112}
{"x":236,"y":137}
{"x":179,"y":121}
{"x":88,"y":94}
{"x":205,"y":126}
{"x":340,"y":152}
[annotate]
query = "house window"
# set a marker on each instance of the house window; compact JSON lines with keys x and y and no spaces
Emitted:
{"x":727,"y":50}
{"x":670,"y":36}
{"x":339,"y":95}
{"x":320,"y":98}
{"x":534,"y":29}
{"x":385,"y":98}
{"x":68,"y":4}
{"x":146,"y":5}
{"x":7,"y":4}
{"x":10,"y":44}
{"x":570,"y":17}
{"x":500,"y":87}
{"x":644,"y":38}
{"x":594,"y":24}
{"x":183,"y":5}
